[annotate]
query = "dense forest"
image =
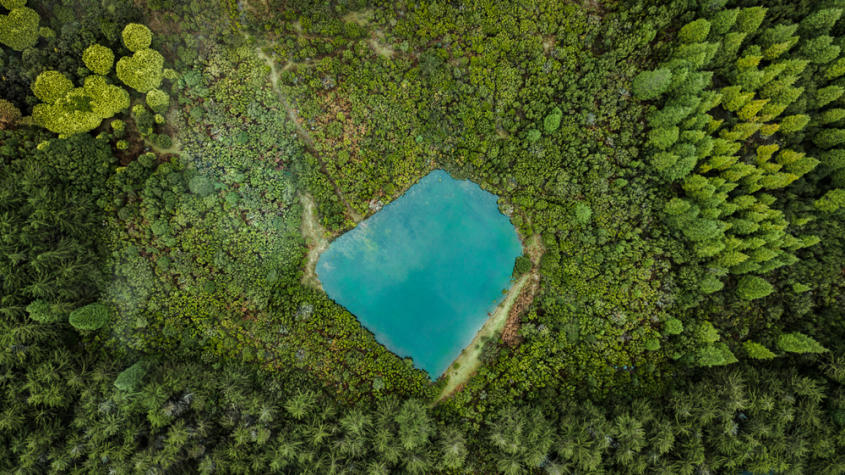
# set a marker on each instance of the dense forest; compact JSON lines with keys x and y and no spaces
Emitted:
{"x":167,"y":166}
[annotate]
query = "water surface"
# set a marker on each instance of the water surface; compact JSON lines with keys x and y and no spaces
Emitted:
{"x":423,"y":273}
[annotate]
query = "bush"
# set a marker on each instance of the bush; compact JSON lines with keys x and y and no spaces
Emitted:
{"x":201,"y":186}
{"x":42,"y":312}
{"x":90,"y":317}
{"x":673,"y":326}
{"x":757,"y":351}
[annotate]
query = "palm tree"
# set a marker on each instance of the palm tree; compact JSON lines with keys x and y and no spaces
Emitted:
{"x":452,"y":448}
{"x":300,"y":404}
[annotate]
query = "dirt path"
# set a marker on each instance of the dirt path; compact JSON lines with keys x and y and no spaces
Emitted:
{"x":303,"y":134}
{"x":468,"y":362}
{"x":315,"y":238}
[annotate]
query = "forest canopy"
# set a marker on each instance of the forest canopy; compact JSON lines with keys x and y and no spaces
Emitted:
{"x":170,"y":171}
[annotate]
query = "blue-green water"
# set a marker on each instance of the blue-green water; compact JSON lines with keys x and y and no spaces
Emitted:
{"x":423,"y":272}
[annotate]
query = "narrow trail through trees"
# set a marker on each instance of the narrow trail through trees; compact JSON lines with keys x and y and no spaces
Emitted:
{"x":315,"y":238}
{"x":468,"y":362}
{"x":303,"y":134}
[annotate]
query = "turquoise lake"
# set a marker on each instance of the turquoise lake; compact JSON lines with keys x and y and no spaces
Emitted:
{"x":423,"y":272}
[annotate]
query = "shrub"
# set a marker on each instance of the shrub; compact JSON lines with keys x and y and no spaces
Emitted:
{"x":717,"y":354}
{"x":583,"y":213}
{"x":158,"y":100}
{"x":522,"y":265}
{"x":42,"y":312}
{"x":673,"y":326}
{"x":201,"y":185}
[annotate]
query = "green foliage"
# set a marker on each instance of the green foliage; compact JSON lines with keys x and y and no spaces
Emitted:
{"x":757,"y":351}
{"x":136,"y":37}
{"x":522,"y":265}
{"x":98,"y":58}
{"x":651,"y":84}
{"x":142,"y":71}
{"x":158,"y":100}
{"x":552,"y":120}
{"x":694,"y":31}
{"x":799,"y":343}
{"x":673,"y":327}
{"x":19,"y":28}
{"x":43,"y":312}
{"x":130,"y":378}
{"x":90,"y":317}
{"x":749,"y":19}
{"x":751,"y":287}
{"x":583,"y":213}
{"x":50,"y":86}
{"x":715,"y":354}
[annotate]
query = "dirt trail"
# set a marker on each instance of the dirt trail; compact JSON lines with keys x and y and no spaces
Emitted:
{"x":315,"y":238}
{"x":468,"y":362}
{"x":303,"y":134}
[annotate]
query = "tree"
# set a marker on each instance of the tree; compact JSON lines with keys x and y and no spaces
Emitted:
{"x":694,"y":31}
{"x":651,"y":84}
{"x":749,"y":19}
{"x":751,"y":287}
{"x":43,"y":312}
{"x":757,"y":351}
{"x":715,"y":354}
{"x":673,"y":326}
{"x":797,"y":342}
{"x":414,"y":425}
{"x":106,"y":99}
{"x":130,"y":378}
{"x":136,"y":37}
{"x":98,"y":58}
{"x":142,"y":71}
{"x":552,"y":121}
{"x":50,"y":86}
{"x":9,"y":114}
{"x":158,"y":100}
{"x":90,"y":317}
{"x":19,"y":29}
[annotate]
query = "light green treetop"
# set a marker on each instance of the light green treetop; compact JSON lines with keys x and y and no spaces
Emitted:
{"x":98,"y":59}
{"x":137,"y":37}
